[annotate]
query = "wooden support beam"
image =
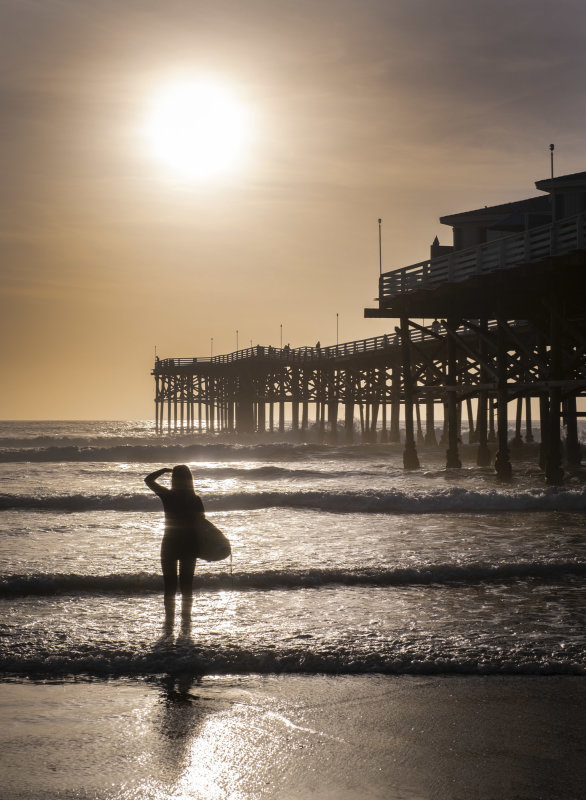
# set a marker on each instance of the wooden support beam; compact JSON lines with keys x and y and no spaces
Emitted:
{"x":474,"y":354}
{"x":349,"y":421}
{"x":483,"y":453}
{"x":566,"y":327}
{"x":518,"y":438}
{"x":395,"y":431}
{"x":528,"y":422}
{"x":333,"y":420}
{"x":553,"y":459}
{"x":410,"y":458}
{"x":481,"y":330}
{"x":429,"y":363}
{"x":261,"y":416}
{"x":573,"y":449}
{"x":430,"y":437}
{"x":503,"y":461}
{"x":471,"y":426}
{"x":420,"y":437}
{"x":531,"y":355}
{"x":452,"y":454}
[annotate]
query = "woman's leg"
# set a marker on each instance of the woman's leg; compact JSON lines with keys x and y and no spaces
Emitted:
{"x":186,"y":570}
{"x":169,"y":566}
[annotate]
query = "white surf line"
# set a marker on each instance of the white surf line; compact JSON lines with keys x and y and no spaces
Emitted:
{"x":289,"y":724}
{"x":265,"y":712}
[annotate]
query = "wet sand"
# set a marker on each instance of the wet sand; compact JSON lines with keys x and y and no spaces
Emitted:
{"x":295,"y":736}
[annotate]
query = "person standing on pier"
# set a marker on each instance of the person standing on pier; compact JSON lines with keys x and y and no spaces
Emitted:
{"x":183,"y":508}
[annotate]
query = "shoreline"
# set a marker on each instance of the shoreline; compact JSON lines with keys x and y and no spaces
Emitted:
{"x":295,"y":736}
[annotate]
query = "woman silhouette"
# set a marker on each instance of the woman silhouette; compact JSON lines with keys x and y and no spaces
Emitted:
{"x":182,"y":508}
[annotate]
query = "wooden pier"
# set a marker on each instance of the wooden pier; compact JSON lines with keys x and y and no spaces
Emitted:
{"x":505,"y":326}
{"x":263,"y":389}
{"x":515,"y":280}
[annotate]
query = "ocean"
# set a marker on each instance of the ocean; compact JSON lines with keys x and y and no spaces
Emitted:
{"x":343,"y":563}
{"x":380,"y":634}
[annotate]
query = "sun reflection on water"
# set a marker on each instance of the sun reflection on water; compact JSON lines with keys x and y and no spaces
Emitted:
{"x":210,"y":772}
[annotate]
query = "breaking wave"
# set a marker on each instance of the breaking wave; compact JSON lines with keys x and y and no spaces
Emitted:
{"x":178,"y":453}
{"x":434,"y":501}
{"x":279,"y":580}
{"x":187,"y":658}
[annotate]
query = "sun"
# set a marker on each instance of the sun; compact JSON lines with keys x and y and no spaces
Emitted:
{"x":198,"y":129}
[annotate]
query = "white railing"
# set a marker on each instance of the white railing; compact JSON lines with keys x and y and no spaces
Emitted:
{"x":554,"y":239}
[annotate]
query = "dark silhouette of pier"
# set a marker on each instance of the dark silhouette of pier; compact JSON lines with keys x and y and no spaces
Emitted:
{"x":251,"y":390}
{"x":482,"y":328}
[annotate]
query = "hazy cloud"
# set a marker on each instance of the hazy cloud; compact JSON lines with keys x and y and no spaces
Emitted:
{"x":406,"y":109}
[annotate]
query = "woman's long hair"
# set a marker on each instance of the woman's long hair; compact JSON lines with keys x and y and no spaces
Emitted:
{"x":182,"y":479}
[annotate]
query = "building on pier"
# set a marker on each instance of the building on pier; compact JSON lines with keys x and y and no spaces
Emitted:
{"x":513,"y":280}
{"x":506,"y":325}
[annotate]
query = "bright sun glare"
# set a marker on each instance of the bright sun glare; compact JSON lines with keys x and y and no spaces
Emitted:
{"x":198,"y":129}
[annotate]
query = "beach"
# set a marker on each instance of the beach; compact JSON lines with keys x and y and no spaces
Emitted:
{"x":379,"y":634}
{"x":292,"y":736}
{"x":293,"y":430}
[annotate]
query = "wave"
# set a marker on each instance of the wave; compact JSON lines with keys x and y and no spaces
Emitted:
{"x":175,"y":453}
{"x":279,"y":580}
{"x":186,"y":658}
{"x":266,"y":472}
{"x":435,"y":501}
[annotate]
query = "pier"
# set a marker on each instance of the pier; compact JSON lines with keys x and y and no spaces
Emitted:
{"x":491,"y":326}
{"x":257,"y":389}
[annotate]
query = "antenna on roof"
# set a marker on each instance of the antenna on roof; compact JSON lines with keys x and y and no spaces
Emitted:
{"x":380,"y":248}
{"x":551,"y":148}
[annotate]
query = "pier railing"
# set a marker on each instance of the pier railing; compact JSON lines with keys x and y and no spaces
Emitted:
{"x":555,"y":239}
{"x":291,"y":354}
{"x":295,"y":354}
{"x":315,"y":354}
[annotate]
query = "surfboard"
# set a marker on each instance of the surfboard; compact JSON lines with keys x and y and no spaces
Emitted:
{"x":211,"y":544}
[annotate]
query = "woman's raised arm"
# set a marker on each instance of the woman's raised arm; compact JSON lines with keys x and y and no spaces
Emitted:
{"x":151,"y":480}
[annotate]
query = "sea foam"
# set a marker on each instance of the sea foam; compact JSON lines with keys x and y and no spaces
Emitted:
{"x":430,"y":501}
{"x":186,"y":657}
{"x":279,"y":580}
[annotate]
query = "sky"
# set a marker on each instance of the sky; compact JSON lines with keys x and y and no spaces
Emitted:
{"x":356,"y":110}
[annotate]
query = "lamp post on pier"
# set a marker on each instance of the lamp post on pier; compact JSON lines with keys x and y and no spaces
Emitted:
{"x":380,"y":248}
